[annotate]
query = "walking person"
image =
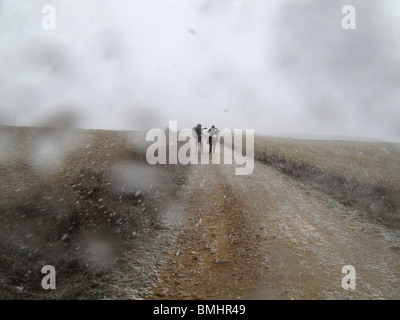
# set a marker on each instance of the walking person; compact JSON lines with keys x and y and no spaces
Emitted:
{"x":212,"y":139}
{"x":198,"y":132}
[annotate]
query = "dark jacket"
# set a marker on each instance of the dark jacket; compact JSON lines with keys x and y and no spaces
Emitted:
{"x":198,"y":131}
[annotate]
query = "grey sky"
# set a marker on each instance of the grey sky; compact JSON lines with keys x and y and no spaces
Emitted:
{"x":273,"y":66}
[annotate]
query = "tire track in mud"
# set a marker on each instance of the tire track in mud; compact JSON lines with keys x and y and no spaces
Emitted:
{"x":310,"y":237}
{"x":214,"y":256}
{"x":267,"y":236}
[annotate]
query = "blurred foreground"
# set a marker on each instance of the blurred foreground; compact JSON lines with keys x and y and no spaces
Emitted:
{"x":86,"y":202}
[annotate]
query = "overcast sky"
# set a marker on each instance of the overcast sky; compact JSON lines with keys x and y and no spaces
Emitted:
{"x":270,"y":65}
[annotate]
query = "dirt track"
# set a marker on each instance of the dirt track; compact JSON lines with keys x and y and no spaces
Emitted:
{"x":202,"y":233}
{"x":265,"y":236}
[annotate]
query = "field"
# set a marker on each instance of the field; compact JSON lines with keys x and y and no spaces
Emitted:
{"x":358,"y":173}
{"x":68,"y":199}
{"x":114,"y":227}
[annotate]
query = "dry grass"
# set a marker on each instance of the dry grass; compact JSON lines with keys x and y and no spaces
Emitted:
{"x":71,"y":213}
{"x":361,"y":174}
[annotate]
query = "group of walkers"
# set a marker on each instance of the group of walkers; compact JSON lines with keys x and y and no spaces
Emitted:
{"x":212,"y":139}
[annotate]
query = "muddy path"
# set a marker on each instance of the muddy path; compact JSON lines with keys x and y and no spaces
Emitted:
{"x":196,"y":232}
{"x":266,"y":236}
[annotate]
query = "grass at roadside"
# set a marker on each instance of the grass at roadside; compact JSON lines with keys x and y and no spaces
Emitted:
{"x":362,"y":174}
{"x":86,"y":202}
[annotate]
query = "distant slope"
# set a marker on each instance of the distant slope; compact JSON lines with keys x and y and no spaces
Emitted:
{"x":309,"y":136}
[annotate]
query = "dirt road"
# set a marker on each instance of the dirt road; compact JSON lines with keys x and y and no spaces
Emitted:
{"x":198,"y":232}
{"x":266,"y":236}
